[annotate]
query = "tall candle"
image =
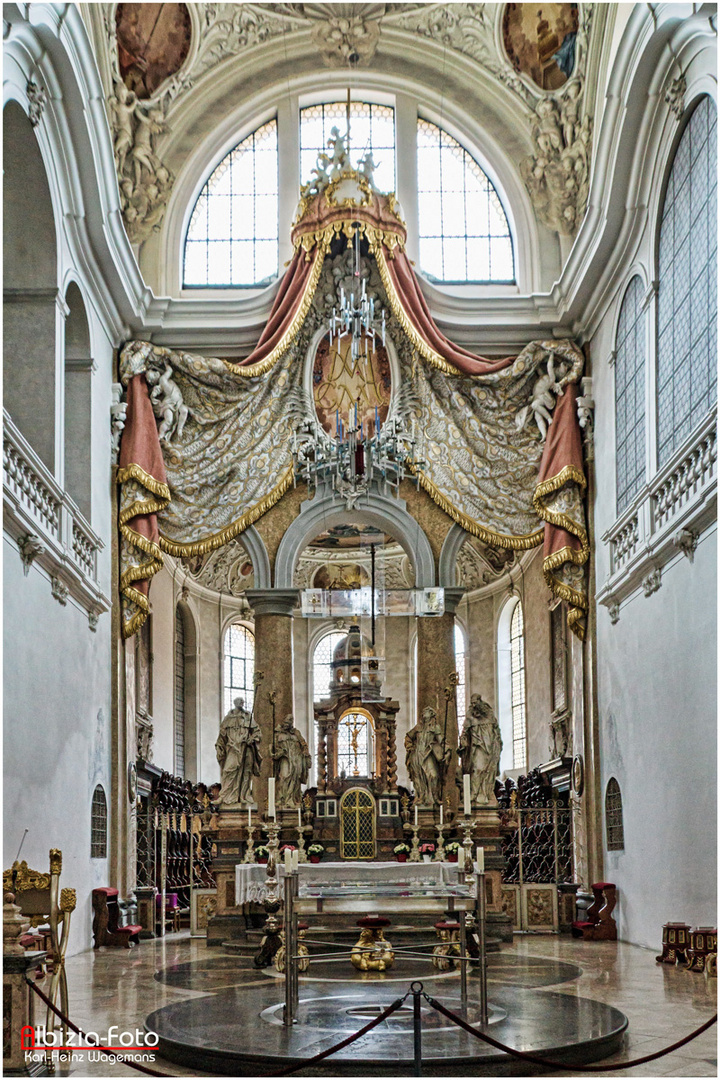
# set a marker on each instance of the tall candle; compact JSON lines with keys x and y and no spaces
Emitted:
{"x":295,"y":860}
{"x":249,"y":818}
{"x":288,"y":860}
{"x":466,"y":794}
{"x":441,"y":814}
{"x":299,"y":818}
{"x":416,"y":817}
{"x":480,"y":856}
{"x":271,"y":796}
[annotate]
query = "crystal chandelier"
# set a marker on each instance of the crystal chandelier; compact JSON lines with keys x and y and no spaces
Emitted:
{"x":356,"y":457}
{"x":357,"y":314}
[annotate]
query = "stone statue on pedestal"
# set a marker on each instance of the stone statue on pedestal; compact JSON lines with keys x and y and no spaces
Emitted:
{"x":292,"y":764}
{"x":426,"y":758}
{"x":480,"y":748}
{"x":238,"y":753}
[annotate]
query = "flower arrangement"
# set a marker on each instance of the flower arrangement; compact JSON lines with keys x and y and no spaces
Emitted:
{"x":287,"y":847}
{"x":315,"y":849}
{"x":401,"y":849}
{"x":427,"y":848}
{"x":452,"y":846}
{"x":261,"y":853}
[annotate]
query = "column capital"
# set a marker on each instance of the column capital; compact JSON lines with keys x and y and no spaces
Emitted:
{"x":453,"y":596}
{"x":273,"y":601}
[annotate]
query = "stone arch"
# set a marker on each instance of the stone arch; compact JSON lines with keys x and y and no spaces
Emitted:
{"x":389,"y":514}
{"x":29,"y":286}
{"x":449,"y":552}
{"x":254,"y":544}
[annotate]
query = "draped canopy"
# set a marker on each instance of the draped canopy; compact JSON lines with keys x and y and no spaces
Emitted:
{"x":206,"y":446}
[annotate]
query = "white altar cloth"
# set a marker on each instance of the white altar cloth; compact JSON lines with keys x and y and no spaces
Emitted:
{"x":250,"y":878}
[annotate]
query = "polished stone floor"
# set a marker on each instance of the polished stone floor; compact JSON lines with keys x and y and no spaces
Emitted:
{"x":116,"y":986}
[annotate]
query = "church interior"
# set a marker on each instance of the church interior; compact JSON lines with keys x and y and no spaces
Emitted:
{"x":360,"y":452}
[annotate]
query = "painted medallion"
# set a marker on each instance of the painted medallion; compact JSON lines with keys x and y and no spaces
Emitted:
{"x":540,"y":41}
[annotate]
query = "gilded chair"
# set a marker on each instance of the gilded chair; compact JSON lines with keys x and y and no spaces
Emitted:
{"x":43,"y":902}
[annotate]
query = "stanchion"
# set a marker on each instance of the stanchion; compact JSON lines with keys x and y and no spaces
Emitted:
{"x":416,"y":989}
{"x":289,"y":949}
{"x":295,"y":878}
{"x":463,"y":963}
{"x":481,"y":900}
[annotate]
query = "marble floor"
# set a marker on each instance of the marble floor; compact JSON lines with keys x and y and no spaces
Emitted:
{"x":662,"y":1003}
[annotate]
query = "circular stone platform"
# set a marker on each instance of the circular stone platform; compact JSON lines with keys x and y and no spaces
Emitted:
{"x":234,"y":1029}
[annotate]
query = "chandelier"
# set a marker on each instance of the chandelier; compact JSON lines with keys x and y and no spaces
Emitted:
{"x":357,"y":456}
{"x":357,"y":314}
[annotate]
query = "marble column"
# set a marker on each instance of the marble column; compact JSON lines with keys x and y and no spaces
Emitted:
{"x":435,"y":664}
{"x":273,"y":657}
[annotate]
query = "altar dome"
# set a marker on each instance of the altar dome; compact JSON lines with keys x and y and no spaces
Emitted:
{"x":347,"y":663}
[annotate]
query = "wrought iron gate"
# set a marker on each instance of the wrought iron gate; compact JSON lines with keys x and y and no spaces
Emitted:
{"x":538,"y":853}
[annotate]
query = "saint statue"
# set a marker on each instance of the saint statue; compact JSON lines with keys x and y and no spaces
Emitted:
{"x":238,"y":752}
{"x":292,"y":764}
{"x":480,"y":748}
{"x":426,"y":758}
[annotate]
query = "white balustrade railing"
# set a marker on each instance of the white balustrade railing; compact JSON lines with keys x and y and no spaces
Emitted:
{"x":665,"y":518}
{"x":36,"y":506}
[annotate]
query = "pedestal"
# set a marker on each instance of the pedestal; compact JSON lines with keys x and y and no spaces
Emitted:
{"x":488,"y":836}
{"x":146,"y":903}
{"x":228,"y":923}
{"x":19,"y":1013}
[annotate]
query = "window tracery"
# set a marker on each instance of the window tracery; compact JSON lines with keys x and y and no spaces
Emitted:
{"x":463,"y":229}
{"x":239,"y":666}
{"x":517,"y":687}
{"x":232,"y":238}
{"x":614,"y":816}
{"x":98,"y":824}
{"x":630,"y":395}
{"x":687,"y":290}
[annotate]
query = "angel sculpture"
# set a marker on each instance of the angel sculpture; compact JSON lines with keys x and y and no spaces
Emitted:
{"x":543,"y":402}
{"x":167,"y":403}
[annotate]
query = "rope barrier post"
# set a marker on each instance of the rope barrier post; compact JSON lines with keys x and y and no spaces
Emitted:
{"x":481,"y":902}
{"x":463,"y":963}
{"x":295,"y":878}
{"x":289,"y":949}
{"x":416,"y":989}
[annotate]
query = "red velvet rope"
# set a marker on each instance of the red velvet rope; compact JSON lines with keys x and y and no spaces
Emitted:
{"x":556,"y":1064}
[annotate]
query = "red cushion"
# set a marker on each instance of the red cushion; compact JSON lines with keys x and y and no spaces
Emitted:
{"x":108,"y":892}
{"x":128,"y":930}
{"x":603,"y":885}
{"x":447,"y":925}
{"x":373,"y":922}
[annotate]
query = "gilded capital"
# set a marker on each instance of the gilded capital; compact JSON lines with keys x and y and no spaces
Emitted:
{"x":55,"y":860}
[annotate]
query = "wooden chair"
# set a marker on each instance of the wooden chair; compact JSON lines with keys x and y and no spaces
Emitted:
{"x":43,"y":902}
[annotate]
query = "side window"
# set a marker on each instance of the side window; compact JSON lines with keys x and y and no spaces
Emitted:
{"x":614,"y":816}
{"x":98,"y":824}
{"x":630,"y":395}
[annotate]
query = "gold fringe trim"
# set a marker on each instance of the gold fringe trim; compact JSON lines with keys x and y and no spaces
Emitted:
{"x":521,"y":543}
{"x":327,"y":233}
{"x":554,"y":483}
{"x":576,"y":622}
{"x":211,"y":543}
{"x":133,"y":625}
{"x":136,"y":472}
{"x":403,"y":318}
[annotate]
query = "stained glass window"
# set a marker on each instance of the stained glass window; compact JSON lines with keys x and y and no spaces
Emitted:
{"x":464,"y":231}
{"x":322,"y":664}
{"x":517,"y":682}
{"x":232,"y":239}
{"x":355,"y":744}
{"x":613,"y":816}
{"x":98,"y":824}
{"x":460,"y":662}
{"x":372,"y":129}
{"x":687,"y":292}
{"x":630,"y":395}
{"x":179,"y":693}
{"x":239,"y":666}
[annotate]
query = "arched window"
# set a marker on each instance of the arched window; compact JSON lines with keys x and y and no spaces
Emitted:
{"x":98,"y":824}
{"x":460,"y":667}
{"x":239,"y":666}
{"x":687,"y":290}
{"x":463,"y":229}
{"x":613,"y":816}
{"x":322,"y":664}
{"x":232,"y":238}
{"x":78,"y":401}
{"x":179,"y":764}
{"x":517,"y":688}
{"x":630,"y":395}
{"x":372,"y":130}
{"x":355,"y":756}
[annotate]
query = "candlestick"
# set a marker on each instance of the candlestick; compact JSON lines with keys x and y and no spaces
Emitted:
{"x":440,"y":849}
{"x":301,"y":854}
{"x":415,"y":846}
{"x":250,"y":847}
{"x":466,"y":794}
{"x":271,"y":796}
{"x":467,"y":825}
